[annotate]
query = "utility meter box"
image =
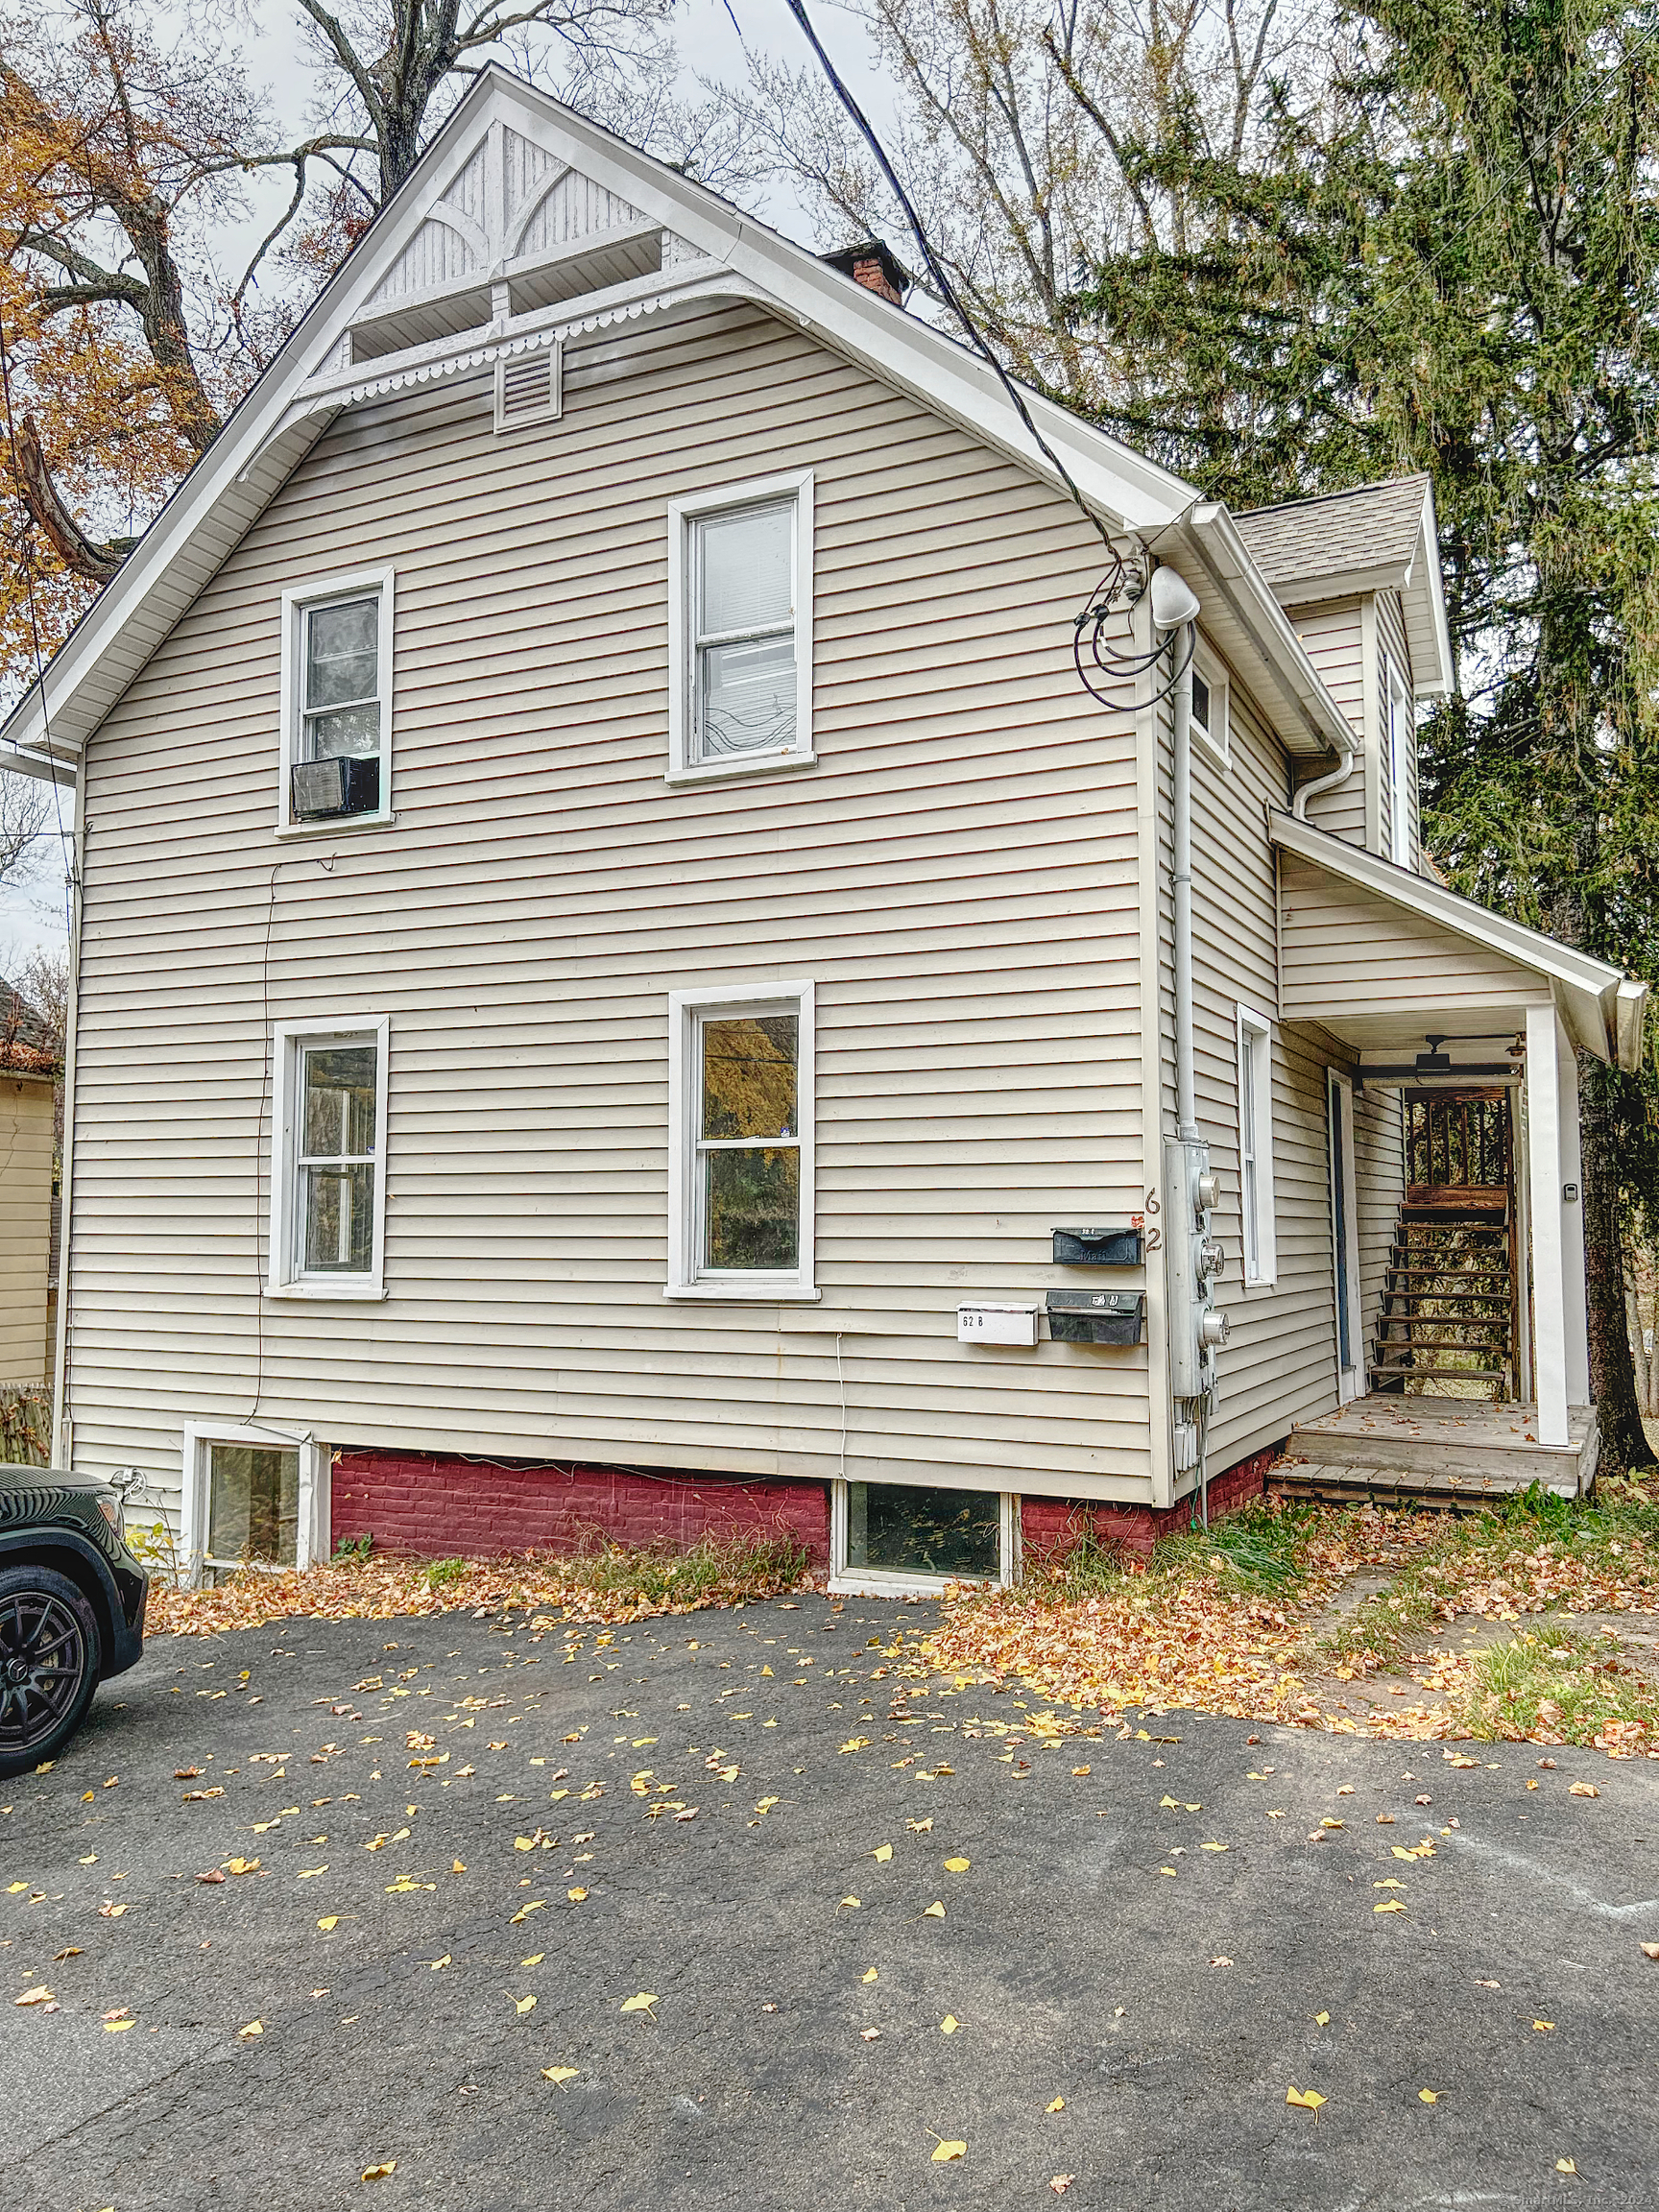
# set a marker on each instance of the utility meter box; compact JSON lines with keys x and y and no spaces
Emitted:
{"x":997,"y":1322}
{"x":1098,"y":1247}
{"x":1096,"y":1317}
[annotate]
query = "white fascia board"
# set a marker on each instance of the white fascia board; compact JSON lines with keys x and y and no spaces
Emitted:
{"x":1587,"y":990}
{"x":1428,"y":584}
{"x":1323,"y":727}
{"x":1124,"y":488}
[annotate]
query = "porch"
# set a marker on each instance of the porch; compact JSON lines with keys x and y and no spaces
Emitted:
{"x":1462,"y":1345}
{"x":1437,"y":1451}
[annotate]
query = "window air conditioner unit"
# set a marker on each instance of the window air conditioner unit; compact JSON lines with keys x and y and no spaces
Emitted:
{"x":345,"y":786}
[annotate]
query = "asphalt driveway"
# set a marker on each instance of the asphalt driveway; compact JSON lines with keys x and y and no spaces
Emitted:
{"x":874,"y":1917}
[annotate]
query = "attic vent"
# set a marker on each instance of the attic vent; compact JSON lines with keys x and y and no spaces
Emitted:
{"x":527,"y":388}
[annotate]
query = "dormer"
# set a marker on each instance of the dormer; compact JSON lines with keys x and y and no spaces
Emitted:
{"x":1359,"y":576}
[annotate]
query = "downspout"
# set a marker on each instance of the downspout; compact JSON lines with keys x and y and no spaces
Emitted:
{"x":1185,"y":1080}
{"x":62,"y":1424}
{"x":1322,"y":783}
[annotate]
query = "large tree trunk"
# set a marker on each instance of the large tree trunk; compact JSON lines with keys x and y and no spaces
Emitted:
{"x":1624,"y":1442}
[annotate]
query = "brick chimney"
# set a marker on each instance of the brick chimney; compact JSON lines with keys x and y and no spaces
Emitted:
{"x":870,"y":264}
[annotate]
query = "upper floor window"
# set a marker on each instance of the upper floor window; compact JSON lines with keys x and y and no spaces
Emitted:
{"x":1211,"y":724}
{"x":740,"y":1175}
{"x":740,"y":630}
{"x":337,"y":701}
{"x":1399,"y":735}
{"x":329,"y":1183}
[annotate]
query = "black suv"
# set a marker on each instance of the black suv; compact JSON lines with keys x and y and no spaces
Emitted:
{"x":72,"y":1602}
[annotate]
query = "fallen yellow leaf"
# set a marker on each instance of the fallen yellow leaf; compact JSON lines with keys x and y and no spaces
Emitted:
{"x":950,"y":2024}
{"x":535,"y":1958}
{"x":957,"y":1866}
{"x":1167,"y":1870}
{"x":575,"y":1895}
{"x":1309,"y":2099}
{"x":380,"y":2171}
{"x":306,"y":1873}
{"x":854,"y":1901}
{"x":916,"y":1828}
{"x":525,"y":2005}
{"x":1582,"y":1789}
{"x":1564,"y":2166}
{"x":114,"y":2026}
{"x":1427,"y":2096}
{"x":872,"y":1976}
{"x":1389,"y":1905}
{"x":253,"y":2028}
{"x":560,"y":2073}
{"x":640,"y":2004}
{"x":1321,"y":2019}
{"x":1058,"y":2105}
{"x":330,"y":1920}
{"x":945,"y":2151}
{"x":1543,"y":2026}
{"x":933,"y":1912}
{"x":883,"y":1852}
{"x":1213,"y":1846}
{"x":40,"y":1995}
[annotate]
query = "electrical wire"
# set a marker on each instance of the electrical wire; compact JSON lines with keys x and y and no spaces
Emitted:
{"x":1102,"y":667}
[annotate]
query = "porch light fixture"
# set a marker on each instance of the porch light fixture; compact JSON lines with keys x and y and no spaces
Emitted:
{"x":1434,"y":1062}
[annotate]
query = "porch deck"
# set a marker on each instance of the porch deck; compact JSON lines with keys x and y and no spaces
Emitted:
{"x":1445,"y":1451}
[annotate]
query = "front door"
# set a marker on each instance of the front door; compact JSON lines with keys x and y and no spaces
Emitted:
{"x":1345,"y":1241}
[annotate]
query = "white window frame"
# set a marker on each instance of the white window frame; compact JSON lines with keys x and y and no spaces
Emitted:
{"x":1258,"y":1225}
{"x":297,"y":603}
{"x":1399,"y":735}
{"x":686,"y":1010}
{"x":891,"y":1582}
{"x":684,"y":767}
{"x":286,"y":1039}
{"x":311,"y":1537}
{"x":1218,"y":743}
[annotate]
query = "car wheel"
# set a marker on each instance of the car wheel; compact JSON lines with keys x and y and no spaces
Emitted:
{"x":49,"y":1657}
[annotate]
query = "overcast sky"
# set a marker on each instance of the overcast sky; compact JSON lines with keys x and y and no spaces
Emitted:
{"x":33,"y":914}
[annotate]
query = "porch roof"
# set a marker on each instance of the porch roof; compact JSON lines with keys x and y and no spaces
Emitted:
{"x":1379,"y":955}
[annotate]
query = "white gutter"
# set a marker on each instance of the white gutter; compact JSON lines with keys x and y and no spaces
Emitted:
{"x":1338,"y":775}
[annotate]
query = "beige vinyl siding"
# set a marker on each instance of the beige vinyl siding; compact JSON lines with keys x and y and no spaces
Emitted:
{"x":26,"y":1118}
{"x":1333,"y":634}
{"x":957,"y":877}
{"x":1346,"y":952}
{"x":1393,"y":650}
{"x":1279,"y":1363}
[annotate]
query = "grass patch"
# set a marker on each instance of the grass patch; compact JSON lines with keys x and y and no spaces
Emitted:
{"x":716,"y":1570}
{"x":1264,"y":1550}
{"x":442,"y":1571}
{"x":1557,"y":1685}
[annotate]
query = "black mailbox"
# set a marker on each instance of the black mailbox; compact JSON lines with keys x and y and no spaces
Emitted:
{"x":1096,"y":1317}
{"x":1098,"y":1247}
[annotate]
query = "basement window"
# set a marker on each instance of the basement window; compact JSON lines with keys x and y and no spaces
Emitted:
{"x":919,"y":1536}
{"x":250,"y":1499}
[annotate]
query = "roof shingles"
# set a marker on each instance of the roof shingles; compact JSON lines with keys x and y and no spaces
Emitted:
{"x":1373,"y":525}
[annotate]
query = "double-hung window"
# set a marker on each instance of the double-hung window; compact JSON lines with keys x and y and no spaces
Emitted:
{"x":337,"y":701}
{"x":1256,"y":1146}
{"x":740,"y":1107}
{"x":329,"y":1190}
{"x":740,"y":630}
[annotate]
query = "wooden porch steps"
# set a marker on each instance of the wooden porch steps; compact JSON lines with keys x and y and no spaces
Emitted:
{"x":1446,"y":1322}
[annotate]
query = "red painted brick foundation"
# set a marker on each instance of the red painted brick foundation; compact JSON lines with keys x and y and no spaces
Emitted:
{"x":433,"y":1505}
{"x":1048,"y":1525}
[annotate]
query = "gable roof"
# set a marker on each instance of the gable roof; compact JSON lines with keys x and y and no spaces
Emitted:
{"x":1372,"y":537}
{"x":523,"y":221}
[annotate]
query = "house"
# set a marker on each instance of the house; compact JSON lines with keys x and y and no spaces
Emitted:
{"x":624,"y":982}
{"x":29,"y":1071}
